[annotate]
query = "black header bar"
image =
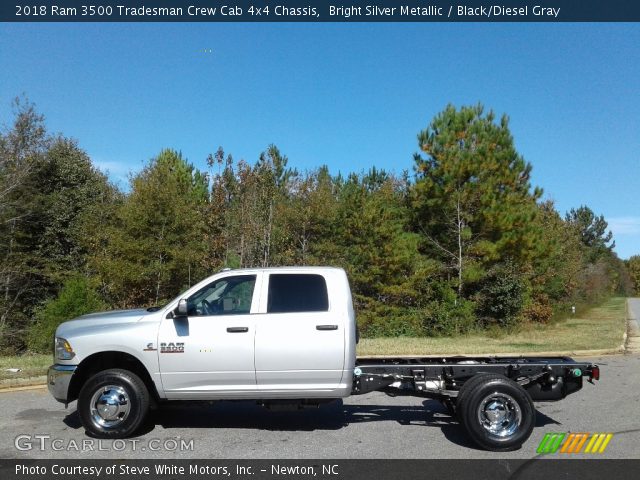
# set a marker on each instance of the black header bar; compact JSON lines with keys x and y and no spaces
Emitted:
{"x":319,"y":11}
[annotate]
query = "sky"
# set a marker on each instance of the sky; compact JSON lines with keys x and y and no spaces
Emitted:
{"x":350,"y":96}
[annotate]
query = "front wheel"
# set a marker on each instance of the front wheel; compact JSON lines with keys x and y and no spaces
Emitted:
{"x":498,"y":413}
{"x":113,"y":403}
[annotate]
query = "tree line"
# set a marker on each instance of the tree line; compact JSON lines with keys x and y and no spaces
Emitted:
{"x":461,"y":244}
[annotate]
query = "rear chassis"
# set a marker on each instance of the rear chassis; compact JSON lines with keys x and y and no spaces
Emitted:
{"x":491,"y":397}
{"x":544,"y":378}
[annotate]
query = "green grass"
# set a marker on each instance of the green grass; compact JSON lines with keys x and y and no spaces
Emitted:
{"x":30,"y":365}
{"x":598,"y":328}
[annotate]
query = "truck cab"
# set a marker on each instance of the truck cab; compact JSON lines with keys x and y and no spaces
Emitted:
{"x":269,"y":333}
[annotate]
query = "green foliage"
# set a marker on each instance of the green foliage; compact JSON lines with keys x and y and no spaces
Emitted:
{"x":501,"y":297}
{"x":21,"y":146}
{"x":466,"y":246}
{"x":67,"y":187}
{"x":48,"y":185}
{"x":633,"y":267}
{"x":379,"y":320}
{"x":154,"y":247}
{"x":449,"y":318}
{"x":475,"y":207}
{"x":592,"y":230}
{"x":76,"y":298}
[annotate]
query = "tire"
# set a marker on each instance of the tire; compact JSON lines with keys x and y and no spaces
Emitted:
{"x":113,"y":404}
{"x":497,"y":413}
{"x":467,"y":387}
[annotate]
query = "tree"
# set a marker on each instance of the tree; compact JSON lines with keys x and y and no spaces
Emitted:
{"x":246,"y":208}
{"x":370,"y":238}
{"x":49,"y":185}
{"x":21,"y":147}
{"x":272,"y":184}
{"x":472,"y":200}
{"x":555,"y":266}
{"x":156,"y":245}
{"x":66,"y":188}
{"x":592,"y":230}
{"x":307,"y":216}
{"x":633,"y":267}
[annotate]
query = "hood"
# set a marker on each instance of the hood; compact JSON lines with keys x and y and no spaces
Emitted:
{"x":115,"y":315}
{"x":96,"y":321}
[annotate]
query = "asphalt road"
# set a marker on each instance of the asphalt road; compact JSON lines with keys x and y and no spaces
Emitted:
{"x":368,"y":426}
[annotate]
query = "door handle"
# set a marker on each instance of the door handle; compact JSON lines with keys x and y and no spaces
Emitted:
{"x":326,"y":327}
{"x":237,"y":329}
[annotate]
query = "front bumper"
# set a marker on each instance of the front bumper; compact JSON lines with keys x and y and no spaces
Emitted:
{"x":58,"y":380}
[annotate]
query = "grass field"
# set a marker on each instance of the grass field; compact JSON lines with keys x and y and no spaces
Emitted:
{"x":599,"y":328}
{"x":30,"y":365}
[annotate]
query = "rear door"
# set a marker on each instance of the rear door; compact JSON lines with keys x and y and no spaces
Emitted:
{"x":299,"y":341}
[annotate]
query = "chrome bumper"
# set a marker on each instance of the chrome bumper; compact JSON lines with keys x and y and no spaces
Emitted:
{"x":58,"y":379}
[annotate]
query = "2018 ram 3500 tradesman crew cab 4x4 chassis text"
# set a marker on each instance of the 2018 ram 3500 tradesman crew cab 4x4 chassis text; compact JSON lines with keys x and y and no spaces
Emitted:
{"x":282,"y":336}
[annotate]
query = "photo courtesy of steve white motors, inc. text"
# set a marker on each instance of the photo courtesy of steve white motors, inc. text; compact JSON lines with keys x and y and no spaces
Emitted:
{"x":164,"y":469}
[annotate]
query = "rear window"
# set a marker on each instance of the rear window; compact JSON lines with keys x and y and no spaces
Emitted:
{"x":297,"y":293}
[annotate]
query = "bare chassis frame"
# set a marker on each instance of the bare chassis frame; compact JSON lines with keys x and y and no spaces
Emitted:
{"x":544,"y":378}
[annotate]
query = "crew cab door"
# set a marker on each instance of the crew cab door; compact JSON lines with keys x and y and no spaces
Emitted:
{"x":299,"y":339}
{"x":211,"y":349}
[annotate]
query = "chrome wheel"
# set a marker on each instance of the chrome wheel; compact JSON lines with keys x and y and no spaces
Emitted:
{"x":500,"y":415}
{"x":109,"y":406}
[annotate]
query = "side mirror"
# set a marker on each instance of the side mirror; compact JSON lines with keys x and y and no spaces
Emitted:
{"x":182,"y":307}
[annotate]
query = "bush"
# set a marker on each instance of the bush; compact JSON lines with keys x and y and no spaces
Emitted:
{"x":449,"y":318}
{"x":405,"y":325}
{"x":76,"y":298}
{"x":501,"y":298}
{"x":379,"y":320}
{"x":539,"y":311}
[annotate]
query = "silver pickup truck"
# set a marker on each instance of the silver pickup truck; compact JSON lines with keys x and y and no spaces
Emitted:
{"x":285,"y":337}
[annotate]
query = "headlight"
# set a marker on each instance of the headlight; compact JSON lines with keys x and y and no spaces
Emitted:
{"x":63,"y":349}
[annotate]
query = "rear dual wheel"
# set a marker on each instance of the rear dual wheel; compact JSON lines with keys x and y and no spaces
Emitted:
{"x":497,"y":413}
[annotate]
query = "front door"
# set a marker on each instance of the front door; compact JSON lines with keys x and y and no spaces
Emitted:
{"x":211,"y":349}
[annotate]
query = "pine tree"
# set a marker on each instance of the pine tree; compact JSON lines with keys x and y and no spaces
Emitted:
{"x":473,"y":200}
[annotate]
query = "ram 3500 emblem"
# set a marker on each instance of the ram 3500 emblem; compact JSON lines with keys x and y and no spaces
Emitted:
{"x":171,"y":347}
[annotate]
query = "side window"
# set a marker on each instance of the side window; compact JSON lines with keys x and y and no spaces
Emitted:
{"x":297,"y":293}
{"x":227,"y":296}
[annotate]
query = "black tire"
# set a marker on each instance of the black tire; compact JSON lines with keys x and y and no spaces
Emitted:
{"x":123,"y":399}
{"x":467,"y":387}
{"x":497,"y":413}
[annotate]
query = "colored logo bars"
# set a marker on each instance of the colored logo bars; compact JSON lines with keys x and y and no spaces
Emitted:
{"x":574,"y":442}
